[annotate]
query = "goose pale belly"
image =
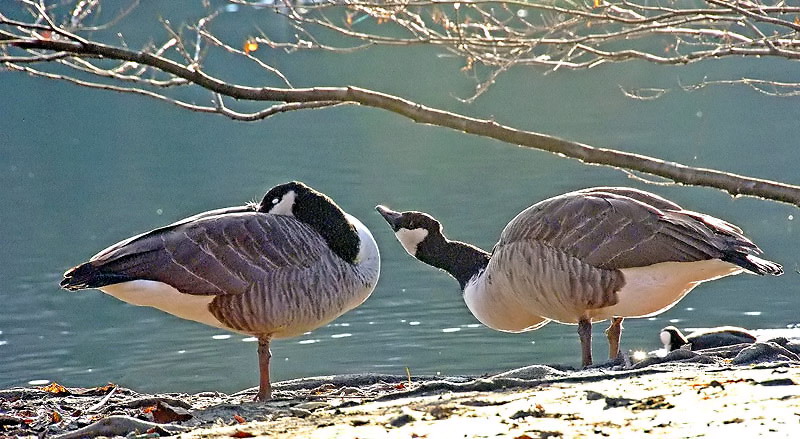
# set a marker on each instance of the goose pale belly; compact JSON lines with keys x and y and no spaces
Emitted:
{"x":656,"y":288}
{"x":544,"y":283}
{"x":285,"y":312}
{"x":165,"y":298}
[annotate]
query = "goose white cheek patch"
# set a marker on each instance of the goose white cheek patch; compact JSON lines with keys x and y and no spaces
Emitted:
{"x":284,"y":206}
{"x":666,"y":339}
{"x":410,"y":239}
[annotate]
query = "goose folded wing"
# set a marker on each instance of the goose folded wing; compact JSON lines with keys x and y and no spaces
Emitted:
{"x":611,"y":230}
{"x":214,"y":254}
{"x":636,"y":194}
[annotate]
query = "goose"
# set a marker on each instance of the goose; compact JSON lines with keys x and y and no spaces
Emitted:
{"x":274,"y":269}
{"x":673,"y":338}
{"x":595,"y":254}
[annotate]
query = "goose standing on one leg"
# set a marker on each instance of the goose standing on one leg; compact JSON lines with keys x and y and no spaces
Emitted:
{"x":279,"y":268}
{"x":583,"y":257}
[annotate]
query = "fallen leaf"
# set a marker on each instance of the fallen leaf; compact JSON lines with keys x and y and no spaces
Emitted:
{"x":239,"y":419}
{"x":107,"y":388}
{"x":93,"y":391}
{"x":55,"y":388}
{"x":55,"y":417}
{"x":165,"y":413}
{"x":240,"y":433}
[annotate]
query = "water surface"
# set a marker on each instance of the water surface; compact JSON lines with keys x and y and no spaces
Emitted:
{"x":81,"y":169}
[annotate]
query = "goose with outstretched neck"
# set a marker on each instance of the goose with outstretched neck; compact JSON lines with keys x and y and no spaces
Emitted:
{"x":582,"y":257}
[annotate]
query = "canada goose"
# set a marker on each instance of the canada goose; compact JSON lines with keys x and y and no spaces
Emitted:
{"x":673,"y":338}
{"x":582,"y":257}
{"x":279,"y":268}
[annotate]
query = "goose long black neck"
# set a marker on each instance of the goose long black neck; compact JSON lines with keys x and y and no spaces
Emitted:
{"x":463,"y":261}
{"x":318,"y":211}
{"x":322,"y":214}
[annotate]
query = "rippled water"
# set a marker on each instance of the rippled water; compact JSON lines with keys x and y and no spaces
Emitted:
{"x":82,"y":169}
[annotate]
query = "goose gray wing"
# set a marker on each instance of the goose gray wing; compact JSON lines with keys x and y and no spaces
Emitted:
{"x":221,"y":253}
{"x":120,"y":248}
{"x":636,"y":194}
{"x":613,"y":228}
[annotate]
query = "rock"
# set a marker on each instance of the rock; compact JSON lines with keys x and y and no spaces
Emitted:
{"x":764,"y":352}
{"x":591,"y":395}
{"x":401,"y":420}
{"x":778,"y":382}
{"x":299,"y":413}
{"x":534,"y":372}
{"x":676,"y":355}
{"x":119,"y":426}
{"x":312,"y":405}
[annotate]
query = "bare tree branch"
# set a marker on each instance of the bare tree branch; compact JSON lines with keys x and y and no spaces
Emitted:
{"x":499,"y":34}
{"x":767,"y":87}
{"x":273,"y":110}
{"x":498,"y":37}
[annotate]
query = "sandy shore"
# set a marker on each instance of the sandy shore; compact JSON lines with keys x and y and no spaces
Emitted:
{"x":687,"y":402}
{"x":686,"y":395}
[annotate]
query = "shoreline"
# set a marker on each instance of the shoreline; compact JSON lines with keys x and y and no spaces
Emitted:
{"x":686,"y":394}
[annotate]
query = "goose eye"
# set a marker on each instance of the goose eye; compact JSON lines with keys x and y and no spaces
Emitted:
{"x":275,"y":200}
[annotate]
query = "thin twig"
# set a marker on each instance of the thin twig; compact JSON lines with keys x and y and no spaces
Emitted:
{"x":273,"y":110}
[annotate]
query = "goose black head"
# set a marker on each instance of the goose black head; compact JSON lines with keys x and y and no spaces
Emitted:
{"x":411,"y":228}
{"x":282,"y":199}
{"x":298,"y":200}
{"x":672,"y":338}
{"x":421,"y":235}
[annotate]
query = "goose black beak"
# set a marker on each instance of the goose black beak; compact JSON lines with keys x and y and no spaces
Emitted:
{"x":391,"y":217}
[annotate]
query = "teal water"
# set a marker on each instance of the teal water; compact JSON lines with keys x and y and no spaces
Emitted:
{"x":82,"y":169}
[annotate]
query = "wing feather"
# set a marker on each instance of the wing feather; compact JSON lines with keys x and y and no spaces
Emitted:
{"x":213,"y":254}
{"x":616,"y":228}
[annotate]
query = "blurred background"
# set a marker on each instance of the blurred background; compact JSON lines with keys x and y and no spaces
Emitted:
{"x":81,"y":169}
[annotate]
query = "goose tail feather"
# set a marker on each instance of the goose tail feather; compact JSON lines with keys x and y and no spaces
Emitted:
{"x":89,"y":276}
{"x":754,"y":264}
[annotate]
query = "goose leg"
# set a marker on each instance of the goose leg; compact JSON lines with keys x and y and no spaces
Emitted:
{"x":614,"y":332}
{"x":585,"y":334}
{"x":264,"y":354}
